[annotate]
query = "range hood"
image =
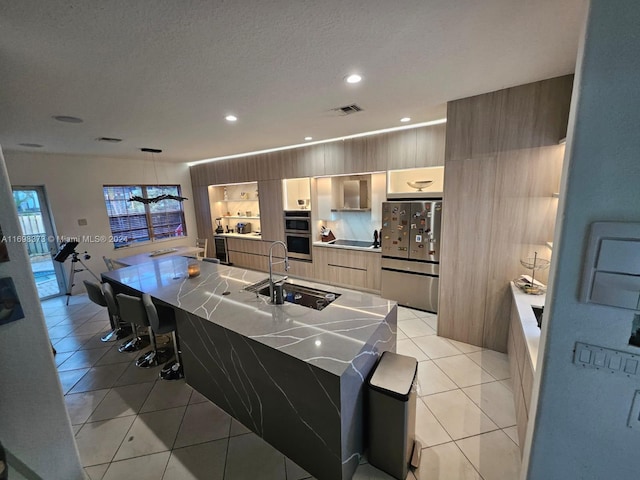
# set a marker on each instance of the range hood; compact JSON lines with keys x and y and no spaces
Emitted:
{"x":353,"y":195}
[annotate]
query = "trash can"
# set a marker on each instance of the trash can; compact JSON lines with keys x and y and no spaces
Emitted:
{"x":392,"y":413}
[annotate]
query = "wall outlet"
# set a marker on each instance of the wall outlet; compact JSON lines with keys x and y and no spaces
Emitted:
{"x":82,"y":222}
{"x":634,"y":415}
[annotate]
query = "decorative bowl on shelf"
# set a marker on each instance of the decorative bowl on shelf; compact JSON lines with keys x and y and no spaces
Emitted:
{"x":420,"y":184}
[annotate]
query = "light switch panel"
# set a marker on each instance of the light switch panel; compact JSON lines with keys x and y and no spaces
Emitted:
{"x":611,"y":274}
{"x":607,"y":360}
{"x":616,"y":290}
{"x":634,"y":414}
{"x":620,"y":256}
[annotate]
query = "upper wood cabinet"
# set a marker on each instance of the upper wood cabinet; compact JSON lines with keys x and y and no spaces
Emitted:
{"x":271,"y":210}
{"x":334,"y":155}
{"x":416,"y":147}
{"x":430,"y":144}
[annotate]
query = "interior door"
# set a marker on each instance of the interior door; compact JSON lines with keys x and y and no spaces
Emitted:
{"x":39,"y":236}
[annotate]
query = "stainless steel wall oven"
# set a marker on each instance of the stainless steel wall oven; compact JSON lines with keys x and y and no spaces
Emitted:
{"x":297,"y":221}
{"x":297,"y":232}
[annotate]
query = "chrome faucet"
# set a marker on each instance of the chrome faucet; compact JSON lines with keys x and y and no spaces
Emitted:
{"x":277,"y":299}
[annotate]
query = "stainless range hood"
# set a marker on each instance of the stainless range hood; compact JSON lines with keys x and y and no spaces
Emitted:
{"x":353,"y":194}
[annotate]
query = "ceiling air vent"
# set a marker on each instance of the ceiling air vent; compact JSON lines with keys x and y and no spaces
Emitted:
{"x":348,"y":109}
{"x":109,"y":139}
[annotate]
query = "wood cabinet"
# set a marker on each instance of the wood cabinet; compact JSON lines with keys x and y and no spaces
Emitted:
{"x":522,"y":373}
{"x":251,"y":254}
{"x":503,"y":163}
{"x":254,"y":255}
{"x":271,"y":208}
{"x":347,"y":267}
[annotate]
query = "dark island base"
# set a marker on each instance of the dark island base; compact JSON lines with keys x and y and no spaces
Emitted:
{"x":312,"y":416}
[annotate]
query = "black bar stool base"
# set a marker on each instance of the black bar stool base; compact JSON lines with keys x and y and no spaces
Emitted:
{"x":172,"y":371}
{"x":117,"y":334}
{"x":154,"y":358}
{"x":135,"y":344}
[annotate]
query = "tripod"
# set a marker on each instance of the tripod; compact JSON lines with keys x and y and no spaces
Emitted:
{"x":75,"y":258}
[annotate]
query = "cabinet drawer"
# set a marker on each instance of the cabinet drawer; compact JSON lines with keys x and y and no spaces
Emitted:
{"x":249,"y":261}
{"x":352,"y":277}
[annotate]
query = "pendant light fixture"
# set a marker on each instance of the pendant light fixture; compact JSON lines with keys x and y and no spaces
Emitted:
{"x":159,"y":198}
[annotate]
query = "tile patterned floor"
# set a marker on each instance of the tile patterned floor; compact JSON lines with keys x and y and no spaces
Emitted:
{"x":130,"y":424}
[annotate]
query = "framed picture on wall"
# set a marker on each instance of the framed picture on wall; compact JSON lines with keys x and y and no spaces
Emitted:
{"x":10,"y":307}
{"x":4,"y":254}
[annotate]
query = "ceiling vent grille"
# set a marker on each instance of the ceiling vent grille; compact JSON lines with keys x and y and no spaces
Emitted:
{"x":348,"y":109}
{"x":109,"y":139}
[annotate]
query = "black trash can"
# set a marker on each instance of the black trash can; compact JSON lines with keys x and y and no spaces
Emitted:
{"x":392,"y":413}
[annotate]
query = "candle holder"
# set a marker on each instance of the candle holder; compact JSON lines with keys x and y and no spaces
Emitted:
{"x":193,"y":269}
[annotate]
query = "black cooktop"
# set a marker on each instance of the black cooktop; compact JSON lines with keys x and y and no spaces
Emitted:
{"x":352,"y":243}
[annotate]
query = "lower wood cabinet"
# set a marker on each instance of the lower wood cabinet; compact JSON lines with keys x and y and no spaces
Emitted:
{"x":254,"y":255}
{"x":348,"y":268}
{"x":344,"y":267}
{"x":522,"y":373}
{"x":251,"y":254}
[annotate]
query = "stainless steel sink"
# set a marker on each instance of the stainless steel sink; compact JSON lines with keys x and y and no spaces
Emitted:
{"x":306,"y":296}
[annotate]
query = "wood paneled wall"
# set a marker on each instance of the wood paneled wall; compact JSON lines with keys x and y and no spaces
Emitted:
{"x":418,"y":147}
{"x":503,"y":163}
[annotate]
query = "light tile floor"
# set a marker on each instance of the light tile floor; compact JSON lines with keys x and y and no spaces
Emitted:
{"x":130,"y":424}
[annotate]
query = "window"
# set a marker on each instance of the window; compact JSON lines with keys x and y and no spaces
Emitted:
{"x":133,"y":222}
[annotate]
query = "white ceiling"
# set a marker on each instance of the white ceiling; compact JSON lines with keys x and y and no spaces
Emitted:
{"x":164,"y":73}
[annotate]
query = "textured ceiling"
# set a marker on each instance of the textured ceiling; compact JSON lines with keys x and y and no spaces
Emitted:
{"x":164,"y":73}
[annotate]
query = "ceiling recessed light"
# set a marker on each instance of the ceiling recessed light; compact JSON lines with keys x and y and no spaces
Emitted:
{"x":353,"y":78}
{"x":30,"y":145}
{"x":405,"y":119}
{"x":67,"y":119}
{"x":231,"y":118}
{"x":308,"y":138}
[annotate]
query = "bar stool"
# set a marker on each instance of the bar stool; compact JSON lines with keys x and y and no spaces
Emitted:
{"x":166,"y":323}
{"x":118,"y":331}
{"x":133,"y":313}
{"x":94,"y":291}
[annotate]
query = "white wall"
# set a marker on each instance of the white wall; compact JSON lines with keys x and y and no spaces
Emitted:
{"x":73,"y":186}
{"x":580,"y":416}
{"x":34,"y":424}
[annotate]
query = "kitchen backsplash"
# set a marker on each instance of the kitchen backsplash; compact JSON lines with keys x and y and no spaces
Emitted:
{"x":352,"y":225}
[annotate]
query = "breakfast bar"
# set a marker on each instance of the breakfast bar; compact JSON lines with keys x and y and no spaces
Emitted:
{"x":293,"y":375}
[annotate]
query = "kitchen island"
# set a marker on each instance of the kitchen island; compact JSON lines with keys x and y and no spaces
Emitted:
{"x":293,"y":375}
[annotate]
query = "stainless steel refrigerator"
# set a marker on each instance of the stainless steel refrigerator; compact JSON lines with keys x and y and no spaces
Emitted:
{"x":410,"y":240}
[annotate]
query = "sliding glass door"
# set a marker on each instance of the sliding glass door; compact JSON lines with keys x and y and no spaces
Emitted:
{"x":39,"y":236}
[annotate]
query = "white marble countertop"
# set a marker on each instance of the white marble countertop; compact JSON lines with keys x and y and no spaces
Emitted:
{"x":528,"y":321}
{"x":330,"y":339}
{"x":347,"y":247}
{"x":164,"y":252}
{"x":246,"y":236}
